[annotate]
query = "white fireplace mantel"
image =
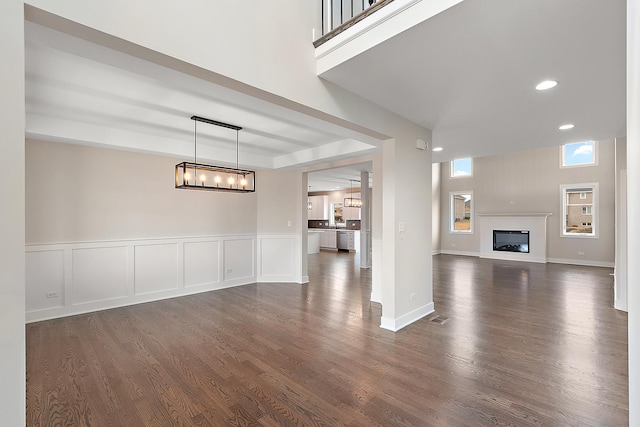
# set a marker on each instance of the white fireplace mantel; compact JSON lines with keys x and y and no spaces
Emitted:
{"x":535,"y":223}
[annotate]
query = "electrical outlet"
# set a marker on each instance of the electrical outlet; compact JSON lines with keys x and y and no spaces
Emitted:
{"x":401,"y":226}
{"x":413,"y":296}
{"x":229,"y":270}
{"x":580,"y":252}
{"x":453,"y":245}
{"x":289,"y":223}
{"x":52,"y":295}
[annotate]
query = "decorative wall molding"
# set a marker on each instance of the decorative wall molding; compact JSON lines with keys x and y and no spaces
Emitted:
{"x":64,"y":279}
{"x":279,"y":258}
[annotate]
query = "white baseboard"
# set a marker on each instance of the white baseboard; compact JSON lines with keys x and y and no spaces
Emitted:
{"x":462,"y":253}
{"x":395,"y":325}
{"x":436,"y":252}
{"x":583,"y":262}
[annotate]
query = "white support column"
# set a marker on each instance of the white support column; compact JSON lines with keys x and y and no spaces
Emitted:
{"x":376,"y":231}
{"x":633,"y":205}
{"x":407,"y":292}
{"x":365,"y":221}
{"x":12,"y":264}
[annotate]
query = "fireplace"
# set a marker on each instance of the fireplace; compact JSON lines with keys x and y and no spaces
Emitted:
{"x":533,"y":224}
{"x":511,"y":241}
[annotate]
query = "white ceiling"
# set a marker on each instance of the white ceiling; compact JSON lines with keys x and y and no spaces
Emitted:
{"x":83,"y":93}
{"x":468,"y":74}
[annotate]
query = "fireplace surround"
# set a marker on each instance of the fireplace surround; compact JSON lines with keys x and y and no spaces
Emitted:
{"x":533,"y":223}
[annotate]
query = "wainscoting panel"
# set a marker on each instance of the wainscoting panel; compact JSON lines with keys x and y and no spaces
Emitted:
{"x":72,"y":278}
{"x":279,"y":258}
{"x":239,"y":259}
{"x":156,"y":268}
{"x":44,"y":280}
{"x":99,"y":274}
{"x":201,"y":263}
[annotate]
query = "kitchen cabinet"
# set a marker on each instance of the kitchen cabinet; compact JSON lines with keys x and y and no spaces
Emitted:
{"x":349,"y":240}
{"x":329,"y":239}
{"x":313,"y":241}
{"x":319,"y":207}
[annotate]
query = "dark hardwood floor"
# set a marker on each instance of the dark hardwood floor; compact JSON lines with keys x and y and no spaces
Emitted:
{"x":524,"y":345}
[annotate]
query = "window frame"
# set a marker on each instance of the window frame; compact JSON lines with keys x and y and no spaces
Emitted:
{"x":595,"y":207}
{"x":452,"y":229}
{"x":581,"y":165}
{"x":452,"y":168}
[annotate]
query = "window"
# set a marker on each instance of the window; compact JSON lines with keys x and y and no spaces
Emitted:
{"x":461,"y":212}
{"x":578,"y":154}
{"x":579,"y":214}
{"x":337,"y":214}
{"x":462,"y":168}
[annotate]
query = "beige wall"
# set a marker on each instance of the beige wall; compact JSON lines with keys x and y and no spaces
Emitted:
{"x":76,"y":194}
{"x":280,"y":201}
{"x":528,"y":182}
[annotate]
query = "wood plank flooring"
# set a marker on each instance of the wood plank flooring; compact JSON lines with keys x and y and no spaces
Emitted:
{"x":524,"y":345}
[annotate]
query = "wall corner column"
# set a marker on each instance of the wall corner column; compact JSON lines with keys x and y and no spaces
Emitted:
{"x":12,"y":221}
{"x":633,"y":205}
{"x":407,"y":291}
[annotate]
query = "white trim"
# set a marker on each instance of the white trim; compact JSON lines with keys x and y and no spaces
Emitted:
{"x":461,"y":253}
{"x":585,"y":263}
{"x":452,"y":209}
{"x":284,"y":267}
{"x":395,"y":325}
{"x":452,"y":169}
{"x":435,"y":252}
{"x":581,"y":165}
{"x":595,"y":209}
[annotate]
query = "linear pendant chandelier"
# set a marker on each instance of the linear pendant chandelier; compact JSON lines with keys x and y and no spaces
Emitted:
{"x":351,"y":202}
{"x":199,"y":176}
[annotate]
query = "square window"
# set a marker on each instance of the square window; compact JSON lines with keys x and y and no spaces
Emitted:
{"x":462,"y":168}
{"x":579,"y":154}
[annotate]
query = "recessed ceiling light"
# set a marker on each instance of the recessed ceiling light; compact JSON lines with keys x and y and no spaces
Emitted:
{"x":437,"y":148}
{"x":547,"y":84}
{"x":567,"y":126}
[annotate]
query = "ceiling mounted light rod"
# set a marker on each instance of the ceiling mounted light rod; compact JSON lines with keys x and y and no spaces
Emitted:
{"x":200,"y":176}
{"x":351,"y":202}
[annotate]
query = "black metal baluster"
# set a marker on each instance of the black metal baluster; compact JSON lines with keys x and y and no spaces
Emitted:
{"x":322,"y":17}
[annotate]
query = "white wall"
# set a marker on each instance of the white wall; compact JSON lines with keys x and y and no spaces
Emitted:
{"x":529,"y":182}
{"x":407,"y":293}
{"x":435,"y":207}
{"x":621,"y":260}
{"x":12,"y":113}
{"x":633,"y":205}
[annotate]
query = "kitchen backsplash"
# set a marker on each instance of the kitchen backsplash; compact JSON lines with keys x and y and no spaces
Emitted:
{"x":352,"y":224}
